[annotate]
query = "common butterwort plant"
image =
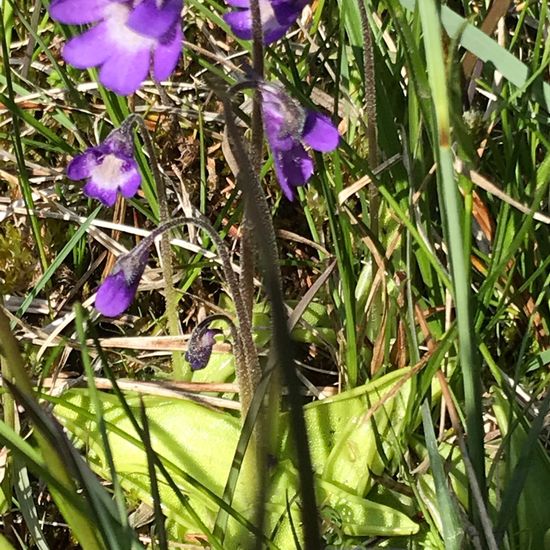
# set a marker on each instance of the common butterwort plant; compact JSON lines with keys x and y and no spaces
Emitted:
{"x":277,"y":17}
{"x":117,"y":292}
{"x":128,"y":39}
{"x":110,"y":167}
{"x":289,"y":126}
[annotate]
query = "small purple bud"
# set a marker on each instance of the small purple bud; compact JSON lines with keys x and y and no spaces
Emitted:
{"x":118,"y":290}
{"x":200,"y":346}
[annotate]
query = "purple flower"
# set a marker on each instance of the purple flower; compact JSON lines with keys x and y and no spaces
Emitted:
{"x":118,"y":290}
{"x":288,"y":125}
{"x":127,"y":35}
{"x":108,"y":168}
{"x":277,"y":17}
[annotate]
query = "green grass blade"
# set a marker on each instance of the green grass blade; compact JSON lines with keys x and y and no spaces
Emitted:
{"x":98,"y":409}
{"x":155,"y":495}
{"x":27,"y":454}
{"x":486,"y":49}
{"x":24,"y":183}
{"x":23,"y":490}
{"x":51,"y":442}
{"x":453,"y":533}
{"x":453,"y":218}
{"x":513,"y":491}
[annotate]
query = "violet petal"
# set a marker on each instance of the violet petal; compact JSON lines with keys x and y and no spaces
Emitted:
{"x":90,"y":49}
{"x":125,"y":70}
{"x":167,"y":54}
{"x":77,"y":12}
{"x":97,"y":190}
{"x":114,"y":173}
{"x":283,"y":116}
{"x":320,"y":133}
{"x":275,"y":131}
{"x":119,"y":288}
{"x":130,"y":180}
{"x":293,"y":168}
{"x":82,"y":165}
{"x":277,"y":18}
{"x":240,"y":22}
{"x":115,"y":295}
{"x":149,"y":20}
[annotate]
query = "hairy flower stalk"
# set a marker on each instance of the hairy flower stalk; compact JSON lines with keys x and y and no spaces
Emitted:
{"x":370,"y":108}
{"x":281,"y":349}
{"x":118,"y":290}
{"x":376,"y":312}
{"x":266,"y":428}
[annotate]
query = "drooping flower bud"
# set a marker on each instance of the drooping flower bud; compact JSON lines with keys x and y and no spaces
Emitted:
{"x":118,"y":290}
{"x":200,"y":345}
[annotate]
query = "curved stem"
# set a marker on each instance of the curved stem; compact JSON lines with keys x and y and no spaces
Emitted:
{"x":248,"y":367}
{"x":243,"y":85}
{"x":180,"y":369}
